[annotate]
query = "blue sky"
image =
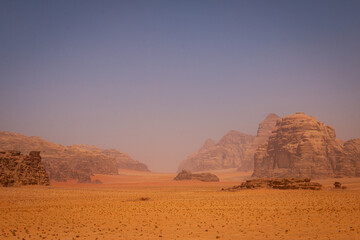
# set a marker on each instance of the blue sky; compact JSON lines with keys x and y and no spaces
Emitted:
{"x":156,"y":78}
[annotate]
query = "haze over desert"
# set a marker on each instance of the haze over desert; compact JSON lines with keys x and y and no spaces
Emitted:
{"x":165,"y":119}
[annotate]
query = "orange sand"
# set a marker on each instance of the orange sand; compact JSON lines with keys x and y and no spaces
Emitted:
{"x":178,"y":210}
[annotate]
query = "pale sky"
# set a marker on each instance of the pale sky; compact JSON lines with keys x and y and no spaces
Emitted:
{"x":155,"y":79}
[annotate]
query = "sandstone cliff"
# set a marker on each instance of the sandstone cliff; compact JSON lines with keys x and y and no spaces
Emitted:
{"x":64,"y":162}
{"x":301,"y":146}
{"x":17,"y":169}
{"x":234,"y":150}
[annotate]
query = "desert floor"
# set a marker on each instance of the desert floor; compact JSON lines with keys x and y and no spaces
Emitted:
{"x":135,"y":205}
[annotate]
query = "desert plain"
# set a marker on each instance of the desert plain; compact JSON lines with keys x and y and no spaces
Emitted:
{"x":138,"y":205}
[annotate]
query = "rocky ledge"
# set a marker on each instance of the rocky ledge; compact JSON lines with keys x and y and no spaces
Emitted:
{"x":276,"y":183}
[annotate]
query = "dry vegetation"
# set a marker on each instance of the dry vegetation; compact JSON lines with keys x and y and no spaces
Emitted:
{"x":178,"y":211}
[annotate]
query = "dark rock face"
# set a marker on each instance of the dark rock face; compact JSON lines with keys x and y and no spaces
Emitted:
{"x":234,"y":150}
{"x":300,"y":146}
{"x":204,"y":177}
{"x":72,"y":162}
{"x":277,"y":183}
{"x":17,"y":169}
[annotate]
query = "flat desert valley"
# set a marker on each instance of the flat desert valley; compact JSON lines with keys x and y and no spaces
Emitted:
{"x":137,"y":205}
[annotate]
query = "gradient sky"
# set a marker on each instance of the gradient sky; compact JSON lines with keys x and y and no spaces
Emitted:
{"x":156,"y":78}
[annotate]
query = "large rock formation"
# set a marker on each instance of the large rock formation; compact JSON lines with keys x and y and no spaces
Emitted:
{"x":234,"y":150}
{"x":301,"y":146}
{"x":17,"y":169}
{"x":229,"y":152}
{"x":204,"y":177}
{"x":68,"y":162}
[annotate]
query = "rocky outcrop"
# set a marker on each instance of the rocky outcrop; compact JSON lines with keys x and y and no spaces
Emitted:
{"x":301,"y":146}
{"x":234,"y":150}
{"x":276,"y":183}
{"x":17,"y":169}
{"x":68,"y":162}
{"x":229,"y":152}
{"x":204,"y":177}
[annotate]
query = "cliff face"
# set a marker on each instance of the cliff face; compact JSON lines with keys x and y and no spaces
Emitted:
{"x":17,"y":169}
{"x":65,"y":162}
{"x":234,"y":150}
{"x":301,"y":146}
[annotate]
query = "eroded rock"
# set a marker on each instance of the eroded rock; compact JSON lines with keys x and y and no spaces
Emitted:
{"x":17,"y":169}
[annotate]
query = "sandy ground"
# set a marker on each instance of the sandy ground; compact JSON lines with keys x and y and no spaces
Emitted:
{"x":135,"y":205}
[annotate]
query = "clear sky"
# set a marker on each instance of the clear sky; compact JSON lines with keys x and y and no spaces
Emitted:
{"x":156,"y":78}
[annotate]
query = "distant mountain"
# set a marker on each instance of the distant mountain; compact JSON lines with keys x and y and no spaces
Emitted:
{"x":70,"y":162}
{"x":234,"y":150}
{"x":229,"y":152}
{"x":301,"y":146}
{"x":263,"y":133}
{"x":123,"y":160}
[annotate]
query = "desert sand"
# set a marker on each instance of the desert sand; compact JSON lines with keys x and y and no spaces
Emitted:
{"x":137,"y":205}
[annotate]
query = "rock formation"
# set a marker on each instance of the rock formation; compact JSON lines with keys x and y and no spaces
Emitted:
{"x":234,"y":150}
{"x":301,"y":146}
{"x":263,"y":133}
{"x":17,"y":169}
{"x":277,"y":183}
{"x":69,"y":162}
{"x":227,"y":153}
{"x":204,"y":177}
{"x":123,"y":160}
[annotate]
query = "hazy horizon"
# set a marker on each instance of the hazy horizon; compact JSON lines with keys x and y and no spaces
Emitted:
{"x":155,"y":79}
